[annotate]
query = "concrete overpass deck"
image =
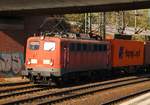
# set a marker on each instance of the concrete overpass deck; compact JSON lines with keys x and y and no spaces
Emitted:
{"x":24,"y":7}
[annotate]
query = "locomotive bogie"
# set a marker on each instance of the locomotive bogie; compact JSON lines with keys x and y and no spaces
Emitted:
{"x":44,"y":72}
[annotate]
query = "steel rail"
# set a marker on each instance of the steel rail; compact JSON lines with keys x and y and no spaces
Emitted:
{"x":10,"y":89}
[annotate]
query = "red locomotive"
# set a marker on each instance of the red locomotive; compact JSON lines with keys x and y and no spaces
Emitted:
{"x":53,"y":59}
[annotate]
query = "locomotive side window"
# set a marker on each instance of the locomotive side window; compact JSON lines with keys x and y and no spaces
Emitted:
{"x":90,"y":47}
{"x":102,"y":47}
{"x":72,"y":47}
{"x":78,"y":47}
{"x":49,"y":46}
{"x":105,"y":47}
{"x":95,"y":47}
{"x":84,"y":47}
{"x":34,"y":45}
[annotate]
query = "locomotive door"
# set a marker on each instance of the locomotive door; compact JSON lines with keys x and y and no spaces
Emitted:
{"x":66,"y":57}
{"x":109,"y":56}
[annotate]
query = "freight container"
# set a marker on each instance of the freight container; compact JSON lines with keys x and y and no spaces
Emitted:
{"x":127,"y":53}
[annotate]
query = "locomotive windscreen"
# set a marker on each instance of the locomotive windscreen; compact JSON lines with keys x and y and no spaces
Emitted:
{"x":49,"y":46}
{"x":34,"y":45}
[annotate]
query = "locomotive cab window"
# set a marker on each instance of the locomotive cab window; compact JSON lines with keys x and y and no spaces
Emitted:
{"x":49,"y":46}
{"x":34,"y":45}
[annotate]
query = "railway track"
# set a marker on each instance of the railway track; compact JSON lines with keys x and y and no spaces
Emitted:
{"x":21,"y":92}
{"x":13,"y":83}
{"x":16,"y":88}
{"x":44,"y":96}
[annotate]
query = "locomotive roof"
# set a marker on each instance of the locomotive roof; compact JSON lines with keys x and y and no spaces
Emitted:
{"x":65,"y":39}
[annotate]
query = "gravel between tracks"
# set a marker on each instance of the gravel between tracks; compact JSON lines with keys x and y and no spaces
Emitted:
{"x":15,"y":79}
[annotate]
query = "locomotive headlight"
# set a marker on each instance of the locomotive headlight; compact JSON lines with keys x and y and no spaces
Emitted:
{"x":29,"y":62}
{"x":34,"y":61}
{"x":51,"y":62}
{"x":47,"y":61}
{"x":42,"y":37}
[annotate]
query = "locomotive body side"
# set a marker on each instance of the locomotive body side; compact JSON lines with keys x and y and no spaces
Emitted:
{"x":127,"y":53}
{"x":84,"y":55}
